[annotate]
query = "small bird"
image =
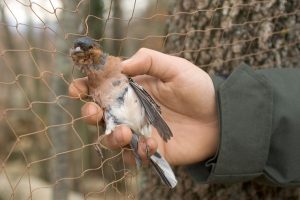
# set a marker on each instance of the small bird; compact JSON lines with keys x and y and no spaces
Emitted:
{"x":123,"y":101}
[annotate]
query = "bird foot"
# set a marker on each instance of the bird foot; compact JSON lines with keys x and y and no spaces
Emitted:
{"x":147,"y":152}
{"x":98,"y":150}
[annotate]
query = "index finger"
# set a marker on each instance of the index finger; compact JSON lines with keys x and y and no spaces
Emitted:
{"x":78,"y":88}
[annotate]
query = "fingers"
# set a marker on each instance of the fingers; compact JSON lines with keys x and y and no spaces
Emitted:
{"x":78,"y":88}
{"x":91,"y":113}
{"x":152,"y":147}
{"x":120,"y":137}
{"x":153,"y":63}
{"x":149,"y":143}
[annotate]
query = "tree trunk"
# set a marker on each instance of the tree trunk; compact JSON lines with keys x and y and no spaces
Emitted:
{"x":217,"y":35}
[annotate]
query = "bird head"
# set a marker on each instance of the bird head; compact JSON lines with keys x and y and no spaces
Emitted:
{"x":87,"y":54}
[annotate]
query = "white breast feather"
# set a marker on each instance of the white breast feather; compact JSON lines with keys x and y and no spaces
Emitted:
{"x":132,"y":113}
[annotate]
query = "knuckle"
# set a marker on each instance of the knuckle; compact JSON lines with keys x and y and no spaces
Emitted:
{"x":143,"y":50}
{"x":145,"y":57}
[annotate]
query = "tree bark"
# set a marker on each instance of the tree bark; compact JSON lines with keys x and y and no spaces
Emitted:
{"x":217,"y":35}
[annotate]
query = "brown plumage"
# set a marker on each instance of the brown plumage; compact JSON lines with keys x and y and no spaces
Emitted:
{"x":106,"y":84}
{"x":123,"y":100}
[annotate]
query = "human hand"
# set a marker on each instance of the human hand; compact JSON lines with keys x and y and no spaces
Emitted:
{"x":187,"y":98}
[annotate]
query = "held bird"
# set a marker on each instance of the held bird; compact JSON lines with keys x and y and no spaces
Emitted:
{"x":123,"y":101}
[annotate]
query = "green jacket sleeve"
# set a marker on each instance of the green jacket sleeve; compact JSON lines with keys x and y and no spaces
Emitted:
{"x":259,"y":114}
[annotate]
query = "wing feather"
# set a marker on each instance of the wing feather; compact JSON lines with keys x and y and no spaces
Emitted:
{"x":152,"y":110}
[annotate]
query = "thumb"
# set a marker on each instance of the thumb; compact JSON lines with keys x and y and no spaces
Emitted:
{"x":153,"y":63}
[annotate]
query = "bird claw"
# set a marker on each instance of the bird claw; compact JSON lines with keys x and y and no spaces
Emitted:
{"x":134,"y":146}
{"x":147,"y":152}
{"x":98,"y":150}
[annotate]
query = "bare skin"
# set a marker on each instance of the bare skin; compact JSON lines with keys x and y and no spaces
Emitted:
{"x":187,"y":98}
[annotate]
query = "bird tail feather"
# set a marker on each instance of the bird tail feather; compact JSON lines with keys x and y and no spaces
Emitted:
{"x":163,"y":169}
{"x":159,"y":163}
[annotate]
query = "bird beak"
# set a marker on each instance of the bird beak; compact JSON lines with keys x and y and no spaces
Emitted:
{"x":77,"y":49}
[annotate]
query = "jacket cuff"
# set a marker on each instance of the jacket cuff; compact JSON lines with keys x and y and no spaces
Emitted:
{"x":245,"y":113}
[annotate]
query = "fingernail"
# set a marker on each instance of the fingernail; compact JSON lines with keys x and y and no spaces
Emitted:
{"x":93,"y":110}
{"x":125,"y":62}
{"x":119,"y":138}
{"x":90,"y":109}
{"x":124,"y":65}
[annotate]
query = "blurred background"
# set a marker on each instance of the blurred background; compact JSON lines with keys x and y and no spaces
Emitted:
{"x":46,"y":149}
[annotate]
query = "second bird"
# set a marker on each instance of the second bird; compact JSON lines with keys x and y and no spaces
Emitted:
{"x":123,"y":101}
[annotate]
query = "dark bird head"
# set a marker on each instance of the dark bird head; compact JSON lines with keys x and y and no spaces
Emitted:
{"x":85,"y":43}
{"x":87,"y":54}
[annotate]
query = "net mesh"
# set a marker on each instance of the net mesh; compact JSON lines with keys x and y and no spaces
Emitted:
{"x":46,"y":148}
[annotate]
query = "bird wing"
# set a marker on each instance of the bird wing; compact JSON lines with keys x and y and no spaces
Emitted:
{"x":152,"y":110}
